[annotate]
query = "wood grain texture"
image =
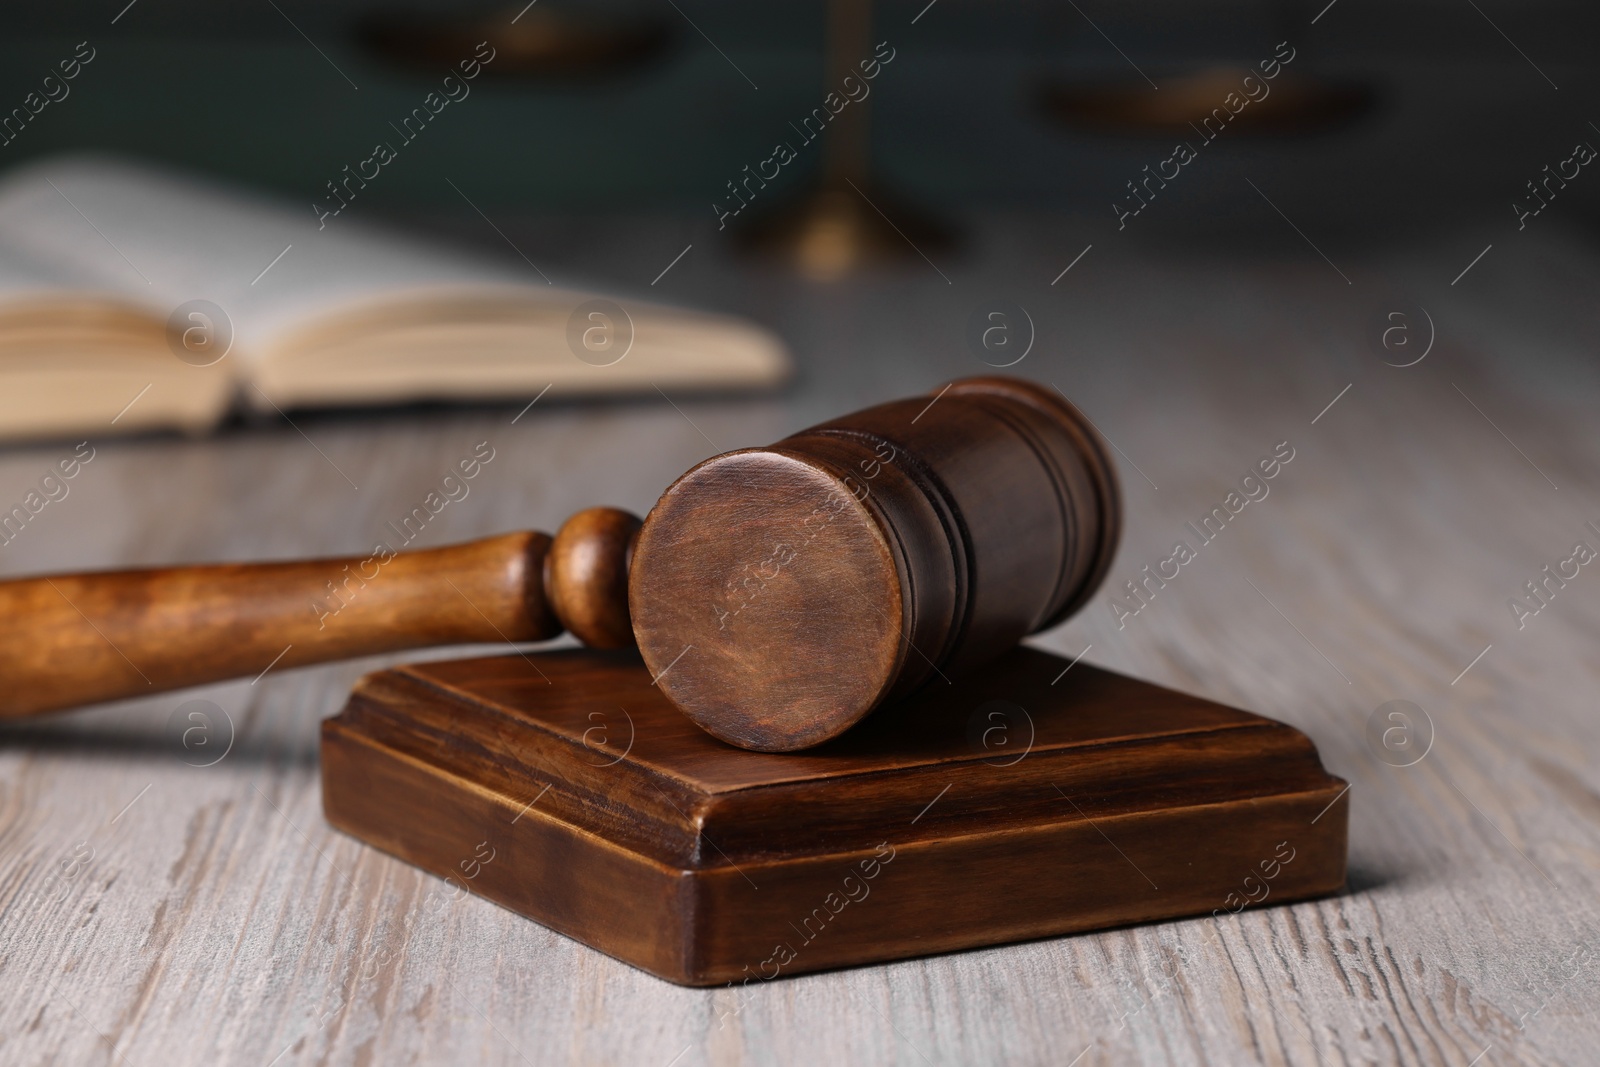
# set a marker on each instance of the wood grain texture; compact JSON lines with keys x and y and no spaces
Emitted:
{"x":567,"y":787}
{"x":220,"y":921}
{"x":72,"y":639}
{"x":1005,"y":484}
{"x":83,"y":638}
{"x":780,"y":594}
{"x":586,"y":576}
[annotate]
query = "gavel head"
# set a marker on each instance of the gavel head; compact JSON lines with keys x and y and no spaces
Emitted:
{"x":780,"y":594}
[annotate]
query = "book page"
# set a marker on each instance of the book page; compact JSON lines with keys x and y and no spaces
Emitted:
{"x":333,"y":311}
{"x":79,"y":356}
{"x":163,"y":238}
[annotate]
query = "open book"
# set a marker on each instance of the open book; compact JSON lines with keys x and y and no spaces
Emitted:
{"x":134,"y":298}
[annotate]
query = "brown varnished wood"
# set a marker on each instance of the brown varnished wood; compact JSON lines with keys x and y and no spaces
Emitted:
{"x":1397,"y":570}
{"x":76,"y":639}
{"x":782,"y":593}
{"x":586,"y":576}
{"x":616,"y":822}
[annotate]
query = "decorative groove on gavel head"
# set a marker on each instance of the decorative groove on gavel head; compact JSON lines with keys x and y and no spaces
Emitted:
{"x":779,"y":594}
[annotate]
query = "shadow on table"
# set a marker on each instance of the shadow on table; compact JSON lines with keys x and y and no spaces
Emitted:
{"x":142,"y":743}
{"x":1363,"y":878}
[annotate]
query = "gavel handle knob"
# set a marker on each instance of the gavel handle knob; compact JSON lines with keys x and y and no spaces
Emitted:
{"x":586,"y":576}
{"x":74,"y":639}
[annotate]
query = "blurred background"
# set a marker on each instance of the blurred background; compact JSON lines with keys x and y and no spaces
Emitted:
{"x":1002,"y":138}
{"x":267,"y":93}
{"x":1245,"y":305}
{"x":650,"y":106}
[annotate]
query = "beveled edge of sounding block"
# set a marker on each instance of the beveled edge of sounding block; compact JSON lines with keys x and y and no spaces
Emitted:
{"x":1022,"y":802}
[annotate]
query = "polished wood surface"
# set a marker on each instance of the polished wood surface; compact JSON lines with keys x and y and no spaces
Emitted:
{"x":913,"y":536}
{"x":219,"y":919}
{"x":586,"y":576}
{"x":780,"y":594}
{"x":566,"y":787}
{"x":73,"y":639}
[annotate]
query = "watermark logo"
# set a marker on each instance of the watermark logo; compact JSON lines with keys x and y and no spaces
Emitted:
{"x":59,"y":881}
{"x":1253,"y":488}
{"x":200,"y":732}
{"x":853,"y":89}
{"x":199,"y":332}
{"x":1252,"y":90}
{"x":607,"y":739}
{"x":599,"y":332}
{"x":1001,"y":731}
{"x":1399,"y":733}
{"x":1401,"y":333}
{"x":1543,"y":190}
{"x":349,"y":182}
{"x":1000,"y":334}
{"x":53,"y":89}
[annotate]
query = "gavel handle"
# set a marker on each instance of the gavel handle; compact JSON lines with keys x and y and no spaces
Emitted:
{"x":81,"y":638}
{"x":77,"y":639}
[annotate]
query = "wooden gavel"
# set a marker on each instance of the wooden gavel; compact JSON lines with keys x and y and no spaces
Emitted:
{"x":777,"y":595}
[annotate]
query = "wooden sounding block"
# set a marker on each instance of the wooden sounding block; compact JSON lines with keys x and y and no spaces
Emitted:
{"x":1018,"y":803}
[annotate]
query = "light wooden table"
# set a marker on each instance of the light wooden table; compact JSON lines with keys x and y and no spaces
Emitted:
{"x":153,"y":912}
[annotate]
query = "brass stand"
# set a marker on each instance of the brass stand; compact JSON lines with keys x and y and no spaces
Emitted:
{"x":845,"y":223}
{"x":1299,"y":101}
{"x":535,"y":42}
{"x":1297,"y":104}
